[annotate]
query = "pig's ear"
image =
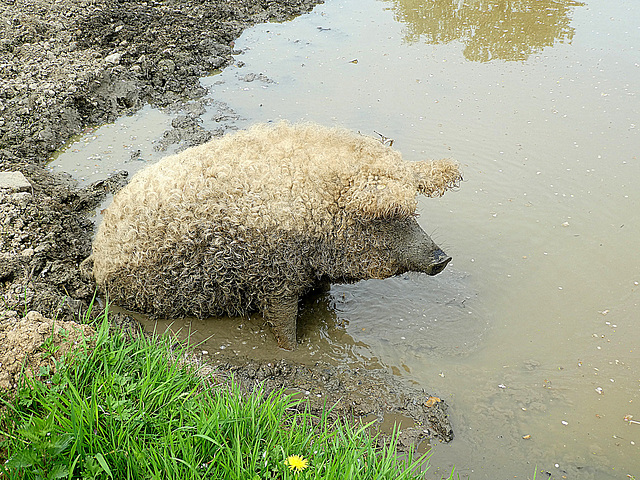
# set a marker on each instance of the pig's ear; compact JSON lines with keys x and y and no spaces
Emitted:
{"x":437,"y":176}
{"x":378,"y":196}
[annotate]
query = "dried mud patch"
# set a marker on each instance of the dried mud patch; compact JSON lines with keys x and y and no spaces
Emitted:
{"x":32,"y":345}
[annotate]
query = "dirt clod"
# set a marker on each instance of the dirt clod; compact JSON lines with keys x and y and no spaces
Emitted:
{"x":31,"y":345}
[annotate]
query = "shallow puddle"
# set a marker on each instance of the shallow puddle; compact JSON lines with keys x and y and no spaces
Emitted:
{"x":128,"y":144}
{"x":531,"y":333}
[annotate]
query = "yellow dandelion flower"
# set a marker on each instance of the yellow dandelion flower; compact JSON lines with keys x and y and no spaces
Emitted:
{"x":296,"y":463}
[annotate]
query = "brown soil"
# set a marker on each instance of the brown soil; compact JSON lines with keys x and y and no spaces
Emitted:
{"x":68,"y":64}
{"x":31,"y":345}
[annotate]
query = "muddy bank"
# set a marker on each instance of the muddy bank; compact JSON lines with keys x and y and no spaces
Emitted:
{"x":354,"y":393}
{"x":67,"y":65}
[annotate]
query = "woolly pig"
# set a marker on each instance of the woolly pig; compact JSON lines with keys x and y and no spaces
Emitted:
{"x":253,"y":220}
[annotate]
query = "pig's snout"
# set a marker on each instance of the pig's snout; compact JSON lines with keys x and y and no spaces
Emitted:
{"x":440,"y":261}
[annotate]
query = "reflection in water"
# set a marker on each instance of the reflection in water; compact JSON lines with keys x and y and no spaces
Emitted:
{"x":489,"y":29}
{"x":322,"y":334}
{"x":412,"y":315}
{"x":346,"y":324}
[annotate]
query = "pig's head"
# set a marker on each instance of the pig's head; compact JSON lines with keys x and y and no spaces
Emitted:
{"x":382,"y":237}
{"x":382,"y":248}
{"x":410,"y":249}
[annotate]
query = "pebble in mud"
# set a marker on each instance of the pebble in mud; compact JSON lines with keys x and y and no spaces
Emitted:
{"x":14,"y":182}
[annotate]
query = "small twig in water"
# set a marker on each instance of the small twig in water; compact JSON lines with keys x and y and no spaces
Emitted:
{"x":385,"y":140}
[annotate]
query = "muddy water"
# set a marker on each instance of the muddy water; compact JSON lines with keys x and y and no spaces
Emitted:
{"x":531,"y":334}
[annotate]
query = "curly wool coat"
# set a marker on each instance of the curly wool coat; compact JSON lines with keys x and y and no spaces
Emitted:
{"x":253,"y":220}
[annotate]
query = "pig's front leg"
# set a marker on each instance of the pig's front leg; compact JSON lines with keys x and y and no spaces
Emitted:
{"x":281,"y":313}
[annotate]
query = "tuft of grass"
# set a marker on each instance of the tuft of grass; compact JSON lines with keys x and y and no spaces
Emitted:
{"x":127,"y":408}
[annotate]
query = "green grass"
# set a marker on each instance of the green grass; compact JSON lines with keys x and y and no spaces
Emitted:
{"x":125,"y":409}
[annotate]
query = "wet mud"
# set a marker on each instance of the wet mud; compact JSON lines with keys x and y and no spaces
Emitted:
{"x":70,"y":64}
